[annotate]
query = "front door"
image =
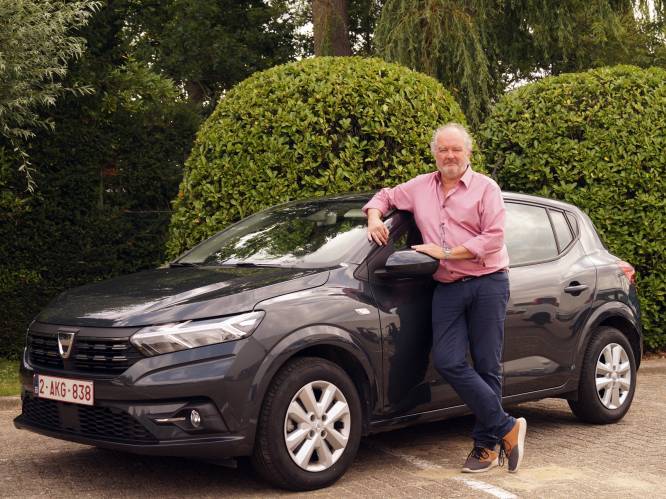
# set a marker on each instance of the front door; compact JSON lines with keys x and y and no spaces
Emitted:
{"x":411,"y":384}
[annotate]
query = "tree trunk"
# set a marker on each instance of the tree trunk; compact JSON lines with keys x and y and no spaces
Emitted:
{"x":331,"y":27}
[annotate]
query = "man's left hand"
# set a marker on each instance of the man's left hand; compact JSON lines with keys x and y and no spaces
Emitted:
{"x":430,"y":249}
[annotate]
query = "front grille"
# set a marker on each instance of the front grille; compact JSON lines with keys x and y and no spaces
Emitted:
{"x":44,"y":351}
{"x":89,"y":355}
{"x":104,"y":422}
{"x":88,"y":421}
{"x":104,"y":355}
{"x":42,"y":412}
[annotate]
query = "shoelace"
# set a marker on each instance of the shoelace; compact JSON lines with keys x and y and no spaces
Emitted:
{"x":504,"y":451}
{"x":478,"y":453}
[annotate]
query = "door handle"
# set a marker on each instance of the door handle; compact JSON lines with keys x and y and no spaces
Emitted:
{"x":575,"y":288}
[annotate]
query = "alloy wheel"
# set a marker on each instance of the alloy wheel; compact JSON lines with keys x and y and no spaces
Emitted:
{"x":613,"y":376}
{"x":317,"y":426}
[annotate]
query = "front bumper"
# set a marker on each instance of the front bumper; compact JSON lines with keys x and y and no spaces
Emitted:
{"x":146,"y":409}
{"x":212,"y":447}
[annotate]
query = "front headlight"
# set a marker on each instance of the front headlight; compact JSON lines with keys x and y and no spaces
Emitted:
{"x":165,"y":338}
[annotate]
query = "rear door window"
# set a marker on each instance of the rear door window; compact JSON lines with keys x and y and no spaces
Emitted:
{"x":529,"y":235}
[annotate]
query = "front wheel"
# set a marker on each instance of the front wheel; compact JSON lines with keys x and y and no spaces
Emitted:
{"x":608,"y":378}
{"x":310,"y":425}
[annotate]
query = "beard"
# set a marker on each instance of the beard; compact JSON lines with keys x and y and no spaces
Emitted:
{"x":451,"y":171}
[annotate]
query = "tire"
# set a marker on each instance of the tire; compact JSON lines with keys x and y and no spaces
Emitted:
{"x":605,"y":392}
{"x":324,"y":435}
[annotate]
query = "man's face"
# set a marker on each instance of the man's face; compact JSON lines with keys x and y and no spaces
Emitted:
{"x":451,"y":154}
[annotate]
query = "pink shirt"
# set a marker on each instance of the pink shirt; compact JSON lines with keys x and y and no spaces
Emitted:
{"x":471,"y":215}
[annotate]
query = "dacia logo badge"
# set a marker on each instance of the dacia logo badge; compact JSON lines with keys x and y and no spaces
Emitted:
{"x":65,"y":342}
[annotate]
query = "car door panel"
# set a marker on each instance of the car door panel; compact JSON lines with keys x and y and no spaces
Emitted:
{"x":544,"y":317}
{"x":411,"y":383}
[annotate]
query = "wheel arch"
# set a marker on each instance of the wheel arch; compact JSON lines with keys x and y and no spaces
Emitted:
{"x":328,"y":342}
{"x":619,"y":316}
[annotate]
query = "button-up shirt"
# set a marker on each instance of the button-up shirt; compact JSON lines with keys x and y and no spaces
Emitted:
{"x":471,"y":215}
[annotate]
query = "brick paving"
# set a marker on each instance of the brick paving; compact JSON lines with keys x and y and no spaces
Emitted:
{"x":564,"y":458}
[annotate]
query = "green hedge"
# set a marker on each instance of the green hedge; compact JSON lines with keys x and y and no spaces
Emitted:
{"x":105,"y":179}
{"x":597,"y":140}
{"x":315,"y":127}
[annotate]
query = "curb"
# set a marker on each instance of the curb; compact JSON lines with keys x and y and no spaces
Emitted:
{"x":10,"y":403}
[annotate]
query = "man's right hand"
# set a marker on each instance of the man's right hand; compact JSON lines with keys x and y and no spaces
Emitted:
{"x":377,"y":231}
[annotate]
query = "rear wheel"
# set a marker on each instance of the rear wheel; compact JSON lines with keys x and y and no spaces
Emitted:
{"x":310,"y":426}
{"x":608,"y":378}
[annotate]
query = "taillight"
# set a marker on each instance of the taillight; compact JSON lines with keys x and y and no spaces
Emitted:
{"x":628,"y":270}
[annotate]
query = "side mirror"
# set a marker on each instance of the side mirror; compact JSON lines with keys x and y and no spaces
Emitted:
{"x":408,"y":263}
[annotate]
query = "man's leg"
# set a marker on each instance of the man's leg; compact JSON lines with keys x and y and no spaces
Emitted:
{"x":450,"y":340}
{"x":487,"y":312}
{"x":485,"y":318}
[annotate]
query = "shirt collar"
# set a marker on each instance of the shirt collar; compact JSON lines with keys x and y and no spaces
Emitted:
{"x":466,"y":178}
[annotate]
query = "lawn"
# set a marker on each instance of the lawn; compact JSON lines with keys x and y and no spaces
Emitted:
{"x":9,"y":383}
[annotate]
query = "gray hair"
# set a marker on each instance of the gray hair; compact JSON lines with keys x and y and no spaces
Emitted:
{"x":467,"y":138}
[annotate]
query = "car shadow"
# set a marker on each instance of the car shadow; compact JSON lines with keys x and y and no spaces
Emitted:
{"x":171,"y":476}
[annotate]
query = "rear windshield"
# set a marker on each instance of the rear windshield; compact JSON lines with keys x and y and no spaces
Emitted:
{"x":313,"y":234}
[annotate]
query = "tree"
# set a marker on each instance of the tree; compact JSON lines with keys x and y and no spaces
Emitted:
{"x":105,"y":175}
{"x":363,"y":15}
{"x":330,"y":26}
{"x":207,"y":47}
{"x":36,"y":44}
{"x":478,"y":48}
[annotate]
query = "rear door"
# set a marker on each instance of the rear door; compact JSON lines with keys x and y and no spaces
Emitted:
{"x":552,"y":286}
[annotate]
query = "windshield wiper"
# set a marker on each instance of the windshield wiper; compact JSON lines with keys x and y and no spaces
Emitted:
{"x":249,"y":265}
{"x":183,"y":264}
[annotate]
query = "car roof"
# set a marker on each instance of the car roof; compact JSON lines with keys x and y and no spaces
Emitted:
{"x":507,"y":195}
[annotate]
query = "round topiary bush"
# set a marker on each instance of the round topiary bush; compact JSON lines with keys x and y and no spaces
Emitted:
{"x":305,"y":129}
{"x":597,"y":140}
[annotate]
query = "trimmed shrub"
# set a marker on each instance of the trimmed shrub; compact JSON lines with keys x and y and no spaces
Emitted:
{"x":314,"y":127}
{"x":597,"y":140}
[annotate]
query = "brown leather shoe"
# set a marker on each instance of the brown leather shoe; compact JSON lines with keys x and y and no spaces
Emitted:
{"x":480,"y":460}
{"x":513,"y":444}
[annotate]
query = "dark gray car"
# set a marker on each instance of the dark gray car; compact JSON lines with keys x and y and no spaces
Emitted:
{"x":288,"y":336}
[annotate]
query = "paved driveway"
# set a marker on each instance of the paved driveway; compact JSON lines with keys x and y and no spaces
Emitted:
{"x":564,"y":458}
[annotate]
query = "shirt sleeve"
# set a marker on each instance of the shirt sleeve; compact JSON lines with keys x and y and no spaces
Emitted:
{"x":400,"y":197}
{"x":492,"y":216}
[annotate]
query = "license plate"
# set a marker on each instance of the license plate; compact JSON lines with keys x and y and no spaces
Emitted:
{"x":75,"y":391}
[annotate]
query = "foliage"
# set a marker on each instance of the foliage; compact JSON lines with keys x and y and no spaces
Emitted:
{"x":597,"y":140}
{"x":36,"y":43}
{"x":210,"y":46}
{"x":479,"y":48}
{"x":105,"y":178}
{"x":319,"y":126}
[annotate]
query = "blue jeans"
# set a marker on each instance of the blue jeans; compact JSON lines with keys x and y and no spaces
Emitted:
{"x":471,"y":313}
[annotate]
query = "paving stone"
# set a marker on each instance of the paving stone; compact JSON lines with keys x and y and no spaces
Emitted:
{"x":564,"y":458}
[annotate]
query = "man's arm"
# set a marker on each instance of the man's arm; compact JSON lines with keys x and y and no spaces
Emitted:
{"x":377,"y":231}
{"x":435,"y":251}
{"x":400,"y":197}
{"x":491,"y":238}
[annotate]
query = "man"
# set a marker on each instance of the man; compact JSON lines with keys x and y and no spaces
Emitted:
{"x":460,"y":214}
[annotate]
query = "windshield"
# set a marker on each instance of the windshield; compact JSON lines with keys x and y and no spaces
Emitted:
{"x":311,"y":234}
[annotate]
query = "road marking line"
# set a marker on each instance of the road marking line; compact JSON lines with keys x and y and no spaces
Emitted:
{"x":486,"y":487}
{"x":425,"y":465}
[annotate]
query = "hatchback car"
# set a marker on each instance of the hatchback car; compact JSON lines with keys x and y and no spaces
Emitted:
{"x":288,"y":336}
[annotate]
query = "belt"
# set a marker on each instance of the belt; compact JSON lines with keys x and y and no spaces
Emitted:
{"x":470,"y":277}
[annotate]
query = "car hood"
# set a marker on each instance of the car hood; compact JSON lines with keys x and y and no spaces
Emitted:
{"x":175,"y":294}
